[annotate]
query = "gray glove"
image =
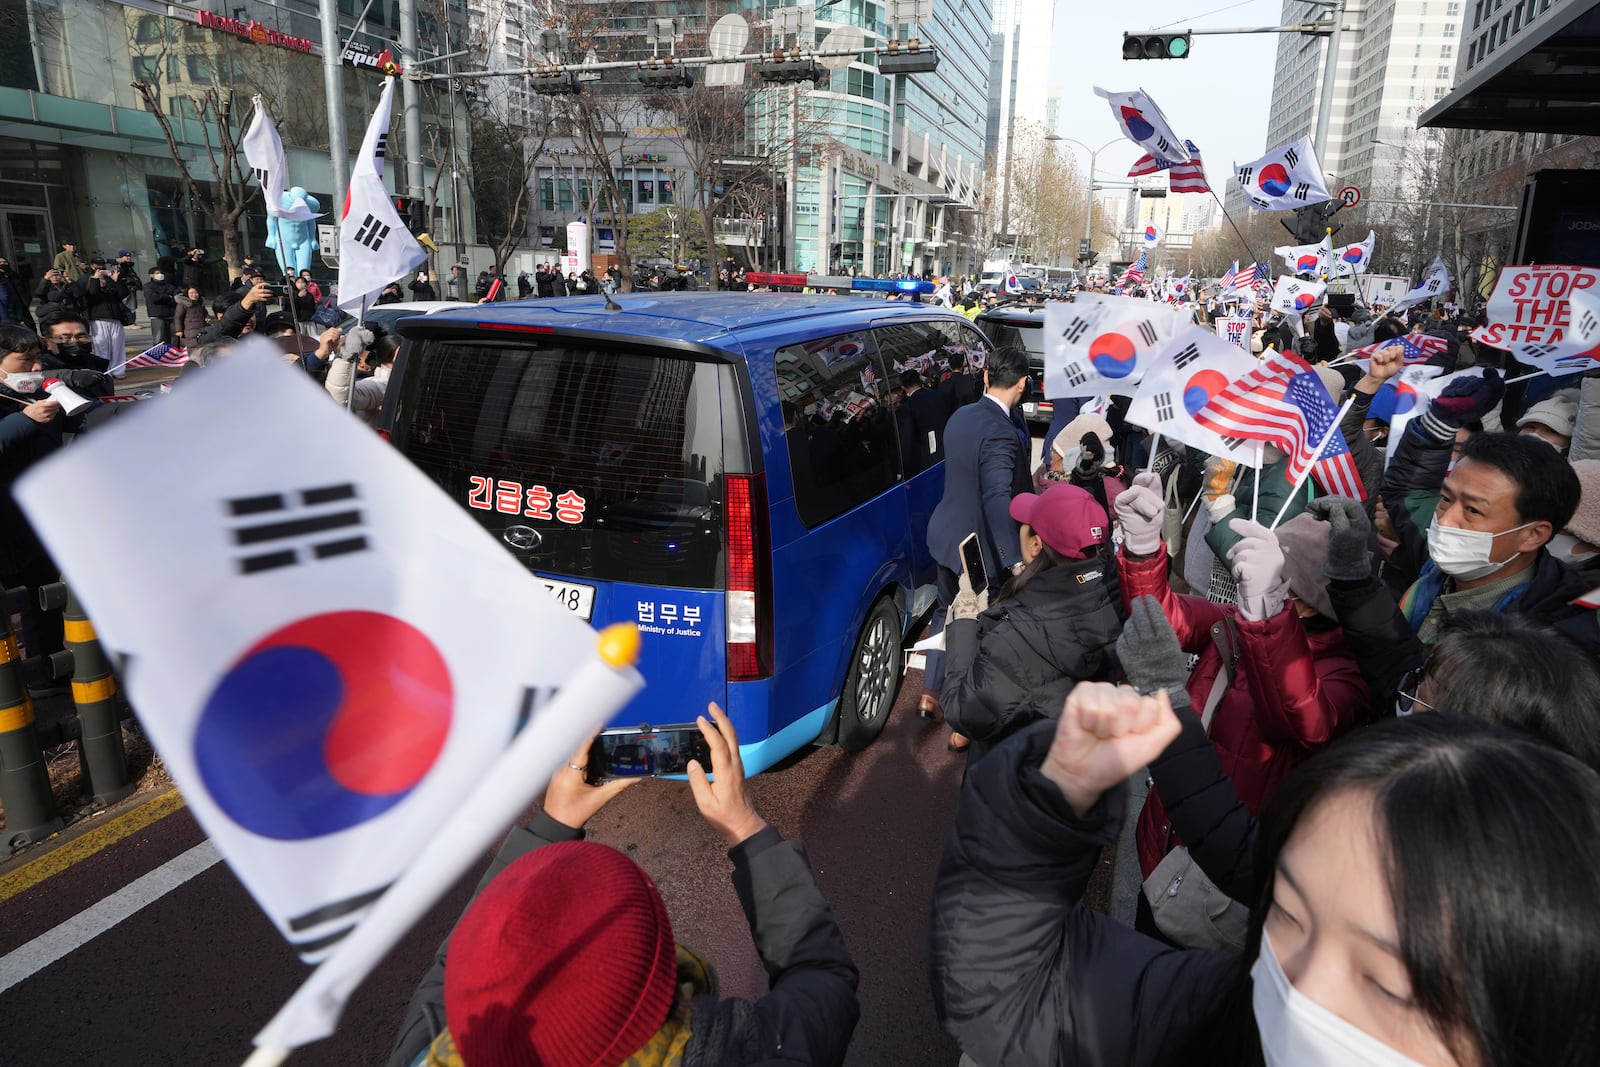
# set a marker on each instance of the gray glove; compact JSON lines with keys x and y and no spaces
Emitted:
{"x":967,"y":604}
{"x":1141,"y":510}
{"x":1150,"y":655}
{"x":1349,"y":559}
{"x":1258,"y":569}
{"x":357,"y":341}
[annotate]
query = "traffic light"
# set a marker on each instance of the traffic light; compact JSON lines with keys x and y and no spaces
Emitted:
{"x":666,"y":77}
{"x":789,"y":71}
{"x":1155,"y":46}
{"x":556,"y":83}
{"x":412,"y":212}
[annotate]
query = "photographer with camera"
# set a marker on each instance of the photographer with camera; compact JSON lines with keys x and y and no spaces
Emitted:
{"x":103,"y":294}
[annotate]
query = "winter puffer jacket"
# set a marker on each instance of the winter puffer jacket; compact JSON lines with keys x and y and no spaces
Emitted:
{"x":190,"y":318}
{"x":1014,"y":664}
{"x":1025,"y":976}
{"x":1293,"y":691}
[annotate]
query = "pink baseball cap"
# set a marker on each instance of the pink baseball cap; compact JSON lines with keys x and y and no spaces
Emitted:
{"x":1065,"y":517}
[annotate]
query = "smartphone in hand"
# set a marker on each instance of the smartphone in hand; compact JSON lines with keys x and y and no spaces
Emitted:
{"x":647,"y":753}
{"x":972,"y":564}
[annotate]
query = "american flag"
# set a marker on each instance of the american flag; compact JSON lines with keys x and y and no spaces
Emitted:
{"x":1187,"y":177}
{"x":161,"y":355}
{"x":1135,"y":272}
{"x":1228,"y":279}
{"x":1418,"y":347}
{"x":1254,"y":279}
{"x":1284,"y":402}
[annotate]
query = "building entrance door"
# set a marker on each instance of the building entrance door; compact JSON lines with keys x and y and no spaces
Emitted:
{"x":27,"y":241}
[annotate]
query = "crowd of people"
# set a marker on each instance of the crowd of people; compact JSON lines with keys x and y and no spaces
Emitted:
{"x":1352,"y":755}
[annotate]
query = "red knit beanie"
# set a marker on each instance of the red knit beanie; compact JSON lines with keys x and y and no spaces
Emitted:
{"x":566,"y":959}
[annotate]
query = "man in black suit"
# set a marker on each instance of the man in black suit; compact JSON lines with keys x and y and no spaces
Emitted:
{"x":987,"y":455}
{"x":923,"y":414}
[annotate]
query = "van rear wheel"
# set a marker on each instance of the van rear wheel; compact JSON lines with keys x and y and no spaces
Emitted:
{"x":873,"y":680}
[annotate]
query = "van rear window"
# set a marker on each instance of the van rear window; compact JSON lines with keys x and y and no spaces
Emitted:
{"x":612,"y":457}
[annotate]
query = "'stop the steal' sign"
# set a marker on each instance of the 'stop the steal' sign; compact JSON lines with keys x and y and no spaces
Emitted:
{"x":1530,"y":304}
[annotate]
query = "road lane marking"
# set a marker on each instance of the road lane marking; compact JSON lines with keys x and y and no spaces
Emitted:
{"x":81,"y":848}
{"x":53,"y":945}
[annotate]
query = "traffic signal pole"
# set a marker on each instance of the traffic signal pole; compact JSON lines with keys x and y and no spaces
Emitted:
{"x":1330,"y":27}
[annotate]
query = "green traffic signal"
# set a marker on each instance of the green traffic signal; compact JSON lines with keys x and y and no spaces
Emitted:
{"x":1155,"y":46}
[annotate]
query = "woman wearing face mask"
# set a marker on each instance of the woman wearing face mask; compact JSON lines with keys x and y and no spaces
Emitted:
{"x":192,"y":315}
{"x":160,"y":300}
{"x":1051,"y":626}
{"x":1491,"y":665}
{"x":1578,"y":543}
{"x":1426,"y":898}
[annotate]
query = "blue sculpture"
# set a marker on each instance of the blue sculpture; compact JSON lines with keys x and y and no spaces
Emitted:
{"x":298,"y":238}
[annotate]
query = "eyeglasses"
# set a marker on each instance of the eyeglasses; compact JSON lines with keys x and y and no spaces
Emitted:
{"x":1406,"y":699}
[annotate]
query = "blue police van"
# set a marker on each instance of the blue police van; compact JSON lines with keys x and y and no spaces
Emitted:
{"x":726,"y":470}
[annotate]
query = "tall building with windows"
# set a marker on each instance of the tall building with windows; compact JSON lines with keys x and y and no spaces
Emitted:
{"x":1396,"y":60}
{"x":82,"y":156}
{"x":1020,"y":99}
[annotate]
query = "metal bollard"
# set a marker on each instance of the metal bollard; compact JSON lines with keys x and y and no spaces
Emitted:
{"x":31,"y":813}
{"x":103,"y":761}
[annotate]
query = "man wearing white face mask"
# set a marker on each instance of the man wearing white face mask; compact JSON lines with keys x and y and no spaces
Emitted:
{"x":31,"y":428}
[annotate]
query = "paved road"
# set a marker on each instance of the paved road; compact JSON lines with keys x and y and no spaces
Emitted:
{"x":188,"y":978}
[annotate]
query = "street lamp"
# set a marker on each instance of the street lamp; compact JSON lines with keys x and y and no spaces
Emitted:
{"x":1088,"y":220}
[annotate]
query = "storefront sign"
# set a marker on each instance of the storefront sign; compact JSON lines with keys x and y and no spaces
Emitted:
{"x":254,"y":31}
{"x":361,"y":57}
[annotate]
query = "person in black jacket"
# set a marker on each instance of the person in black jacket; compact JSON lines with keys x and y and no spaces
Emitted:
{"x":922,"y":415}
{"x":192,"y":273}
{"x":161,"y":301}
{"x":236,"y":319}
{"x":55,"y":293}
{"x":516,"y":953}
{"x":987,"y":456}
{"x":1490,"y":665}
{"x":1337,"y":969}
{"x":544,"y":284}
{"x":31,"y":428}
{"x":421,"y":288}
{"x":1052,"y":626}
{"x":103,"y":294}
{"x":13,"y":296}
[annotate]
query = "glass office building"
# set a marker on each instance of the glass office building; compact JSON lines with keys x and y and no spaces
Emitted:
{"x":82,"y":157}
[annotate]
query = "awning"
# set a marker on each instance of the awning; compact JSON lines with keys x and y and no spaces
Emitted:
{"x":1545,"y":79}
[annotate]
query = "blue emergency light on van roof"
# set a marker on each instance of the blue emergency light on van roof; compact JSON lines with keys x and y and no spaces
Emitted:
{"x":892,"y":285}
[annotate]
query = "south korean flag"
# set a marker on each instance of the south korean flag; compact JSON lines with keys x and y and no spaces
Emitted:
{"x":375,"y":247}
{"x":1284,"y":179}
{"x":1099,"y":345}
{"x":339,"y":655}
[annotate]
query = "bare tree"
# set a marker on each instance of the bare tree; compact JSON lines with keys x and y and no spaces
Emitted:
{"x":1048,"y":197}
{"x":223,"y":199}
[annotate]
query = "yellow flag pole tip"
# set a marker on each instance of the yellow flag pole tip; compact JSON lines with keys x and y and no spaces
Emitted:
{"x":619,"y":644}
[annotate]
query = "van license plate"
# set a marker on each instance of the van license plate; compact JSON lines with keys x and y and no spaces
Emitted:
{"x":578,"y":599}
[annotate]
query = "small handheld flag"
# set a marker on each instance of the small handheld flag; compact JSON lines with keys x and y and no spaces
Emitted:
{"x":321,"y":766}
{"x":1435,"y":284}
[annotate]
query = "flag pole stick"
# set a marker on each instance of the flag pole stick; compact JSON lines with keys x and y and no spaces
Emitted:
{"x":1236,"y":229}
{"x":1155,"y":447}
{"x":598,"y":689}
{"x":1300,"y":481}
{"x":350,"y":397}
{"x":1524,"y":377}
{"x":1255,"y":495}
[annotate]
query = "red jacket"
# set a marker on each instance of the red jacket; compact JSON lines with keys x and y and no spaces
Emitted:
{"x":1292,"y":692}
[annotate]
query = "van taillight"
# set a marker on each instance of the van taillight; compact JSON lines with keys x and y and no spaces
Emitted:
{"x":749,"y":586}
